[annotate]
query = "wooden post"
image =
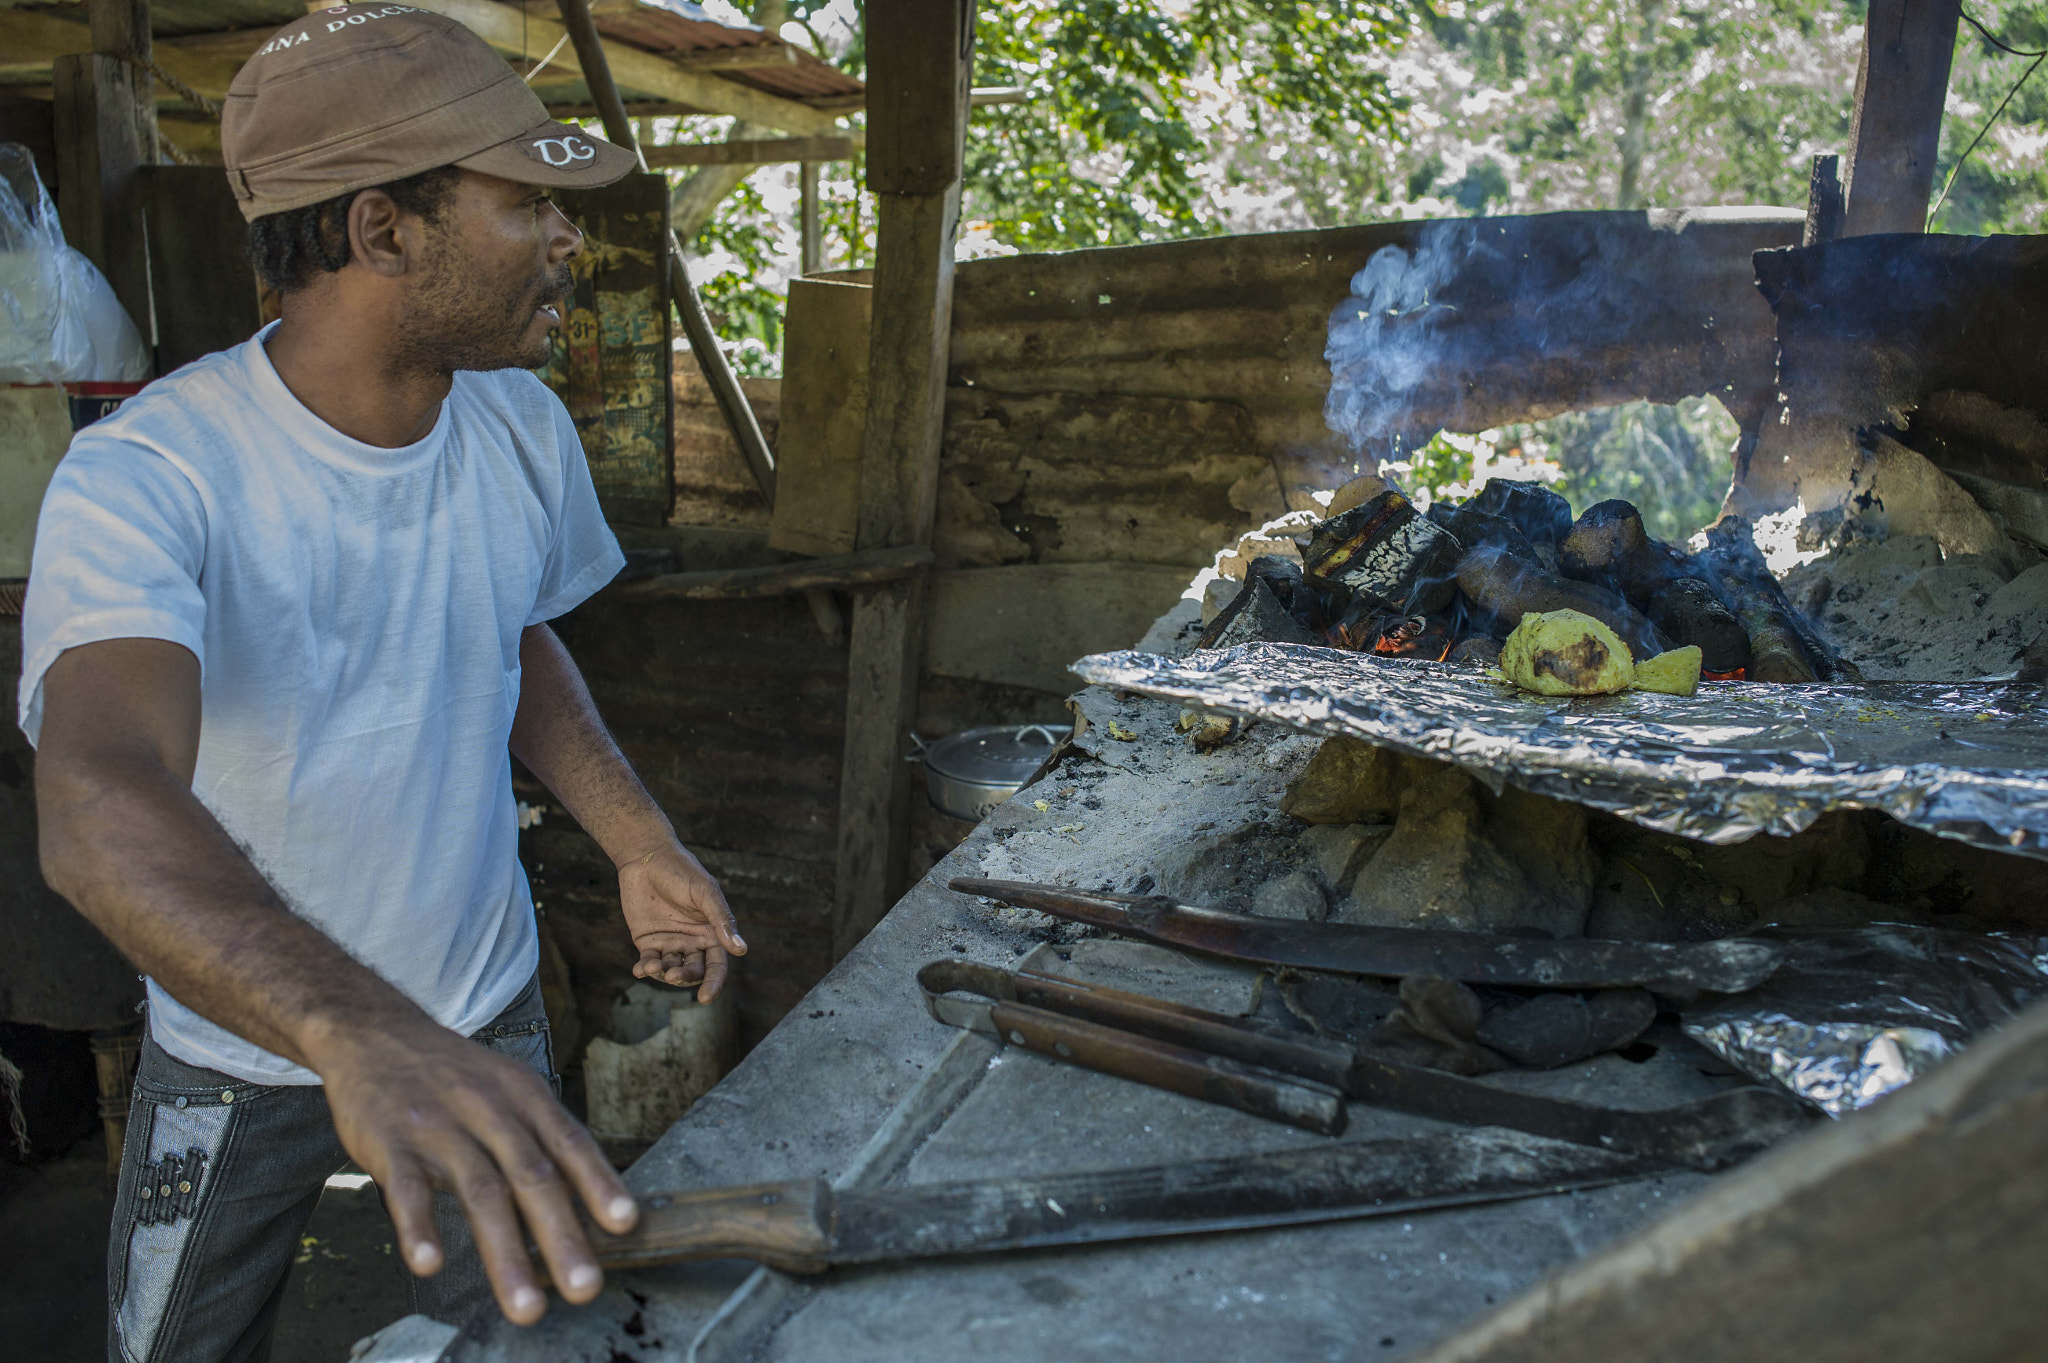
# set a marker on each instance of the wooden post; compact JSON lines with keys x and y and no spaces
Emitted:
{"x":1901,"y":85}
{"x":120,"y":28}
{"x":1823,"y":201}
{"x":724,"y":384}
{"x":99,"y":151}
{"x":920,"y":57}
{"x":812,"y":252}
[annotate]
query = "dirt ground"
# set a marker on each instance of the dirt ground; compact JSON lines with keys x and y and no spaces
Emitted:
{"x":53,"y":1228}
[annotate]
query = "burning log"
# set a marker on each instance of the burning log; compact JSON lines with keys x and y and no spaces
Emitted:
{"x":1608,"y":545}
{"x":1782,"y":647}
{"x":1473,"y":528}
{"x":1388,"y":553}
{"x":1502,"y":589}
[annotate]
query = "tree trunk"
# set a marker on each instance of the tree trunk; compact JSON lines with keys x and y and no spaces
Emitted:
{"x":692,"y":202}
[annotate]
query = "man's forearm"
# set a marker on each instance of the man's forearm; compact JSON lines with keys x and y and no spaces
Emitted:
{"x":559,"y":735}
{"x":134,"y":850}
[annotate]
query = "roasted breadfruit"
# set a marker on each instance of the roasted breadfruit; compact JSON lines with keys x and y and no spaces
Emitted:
{"x":1566,"y":653}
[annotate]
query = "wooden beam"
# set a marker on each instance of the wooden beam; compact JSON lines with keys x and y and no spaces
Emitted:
{"x":1901,"y":85}
{"x":635,"y":108}
{"x":810,"y":231}
{"x":1915,"y":1229}
{"x":99,"y":152}
{"x":512,"y":32}
{"x":757,"y":151}
{"x":919,"y":55}
{"x":726,"y":584}
{"x":980,"y":99}
{"x":758,"y":57}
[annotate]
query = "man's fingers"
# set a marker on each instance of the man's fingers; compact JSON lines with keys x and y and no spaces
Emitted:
{"x":543,"y":1193}
{"x":409,"y":1199}
{"x":577,"y":1154}
{"x":487,"y":1202}
{"x":714,"y":975}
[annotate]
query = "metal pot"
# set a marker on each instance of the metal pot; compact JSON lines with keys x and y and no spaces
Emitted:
{"x":970,"y":773}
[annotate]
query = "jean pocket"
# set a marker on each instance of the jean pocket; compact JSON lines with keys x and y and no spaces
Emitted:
{"x":531,"y":1044}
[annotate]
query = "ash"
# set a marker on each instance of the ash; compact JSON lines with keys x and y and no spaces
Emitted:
{"x":1902,"y":611}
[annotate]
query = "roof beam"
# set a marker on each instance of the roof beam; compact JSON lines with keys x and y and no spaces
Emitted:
{"x":208,"y":61}
{"x":755,"y":152}
{"x":510,"y":31}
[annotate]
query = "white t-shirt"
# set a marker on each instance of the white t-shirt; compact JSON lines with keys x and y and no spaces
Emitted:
{"x":356,"y":613}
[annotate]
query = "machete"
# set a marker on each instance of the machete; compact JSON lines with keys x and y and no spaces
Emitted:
{"x":805,"y":1226}
{"x":1674,"y":968}
{"x":1303,"y":1080}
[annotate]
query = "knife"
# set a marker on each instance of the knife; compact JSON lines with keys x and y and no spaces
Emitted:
{"x":1291,"y":1077}
{"x":805,"y":1226}
{"x":1674,"y":968}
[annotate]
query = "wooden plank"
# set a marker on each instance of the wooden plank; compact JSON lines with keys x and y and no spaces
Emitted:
{"x":1913,"y":1230}
{"x":98,"y":154}
{"x":725,"y":584}
{"x":612,"y":352}
{"x":757,"y":151}
{"x":920,"y":55}
{"x":1022,"y":625}
{"x":1901,"y":85}
{"x":204,"y":290}
{"x":506,"y":29}
{"x":810,"y":232}
{"x":824,"y":413}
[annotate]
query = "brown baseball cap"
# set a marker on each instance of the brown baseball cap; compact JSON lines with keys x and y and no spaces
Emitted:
{"x":362,"y":95}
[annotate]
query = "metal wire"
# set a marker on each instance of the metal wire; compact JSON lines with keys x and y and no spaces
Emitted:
{"x":2032,"y":67}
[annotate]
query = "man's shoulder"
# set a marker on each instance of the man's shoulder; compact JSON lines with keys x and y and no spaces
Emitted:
{"x":167,"y":412}
{"x":515,"y":391}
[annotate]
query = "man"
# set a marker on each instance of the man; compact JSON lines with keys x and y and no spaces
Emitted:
{"x":287,"y":613}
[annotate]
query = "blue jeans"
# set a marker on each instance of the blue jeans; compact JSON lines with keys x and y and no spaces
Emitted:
{"x":218,"y":1179}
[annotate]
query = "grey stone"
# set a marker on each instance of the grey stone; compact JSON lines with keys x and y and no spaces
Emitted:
{"x":1337,"y":851}
{"x":1296,"y":895}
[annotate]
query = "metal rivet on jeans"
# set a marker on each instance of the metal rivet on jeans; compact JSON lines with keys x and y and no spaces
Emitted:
{"x":185,"y":1186}
{"x":227,"y":1095}
{"x":146,"y":1193}
{"x":164,"y":1191}
{"x":183,"y":1101}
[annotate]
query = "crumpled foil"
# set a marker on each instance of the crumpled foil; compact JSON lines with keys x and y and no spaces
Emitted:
{"x":1854,"y":1013}
{"x":1966,"y":760}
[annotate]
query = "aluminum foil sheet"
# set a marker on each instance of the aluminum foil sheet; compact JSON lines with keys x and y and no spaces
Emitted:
{"x":1967,"y":761}
{"x":1855,"y":1013}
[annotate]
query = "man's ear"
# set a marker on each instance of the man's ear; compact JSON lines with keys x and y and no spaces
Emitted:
{"x":379,"y":237}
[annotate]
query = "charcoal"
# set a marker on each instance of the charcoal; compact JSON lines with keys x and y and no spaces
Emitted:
{"x":1501,"y":588}
{"x":1256,"y":614}
{"x":1474,"y":527}
{"x":1688,"y":612}
{"x":1560,"y":1029}
{"x":1477,"y":652}
{"x":1283,"y":576}
{"x":1388,"y":553}
{"x":1609,"y":546}
{"x":1540,"y":514}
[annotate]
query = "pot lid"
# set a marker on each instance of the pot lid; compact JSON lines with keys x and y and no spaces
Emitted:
{"x":998,"y":755}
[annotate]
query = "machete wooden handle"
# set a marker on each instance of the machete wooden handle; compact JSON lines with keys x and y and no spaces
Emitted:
{"x":784,"y":1225}
{"x":1145,"y":1060}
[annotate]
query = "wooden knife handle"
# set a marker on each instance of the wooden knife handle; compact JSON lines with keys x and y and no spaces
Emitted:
{"x":784,"y":1225}
{"x":1161,"y":1064}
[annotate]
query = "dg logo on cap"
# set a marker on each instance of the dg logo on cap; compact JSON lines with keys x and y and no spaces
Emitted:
{"x":563,"y":151}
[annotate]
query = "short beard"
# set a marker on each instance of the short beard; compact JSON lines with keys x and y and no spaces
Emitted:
{"x":449,"y":324}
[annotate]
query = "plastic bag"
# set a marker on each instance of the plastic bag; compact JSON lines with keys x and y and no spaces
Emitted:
{"x":59,"y":319}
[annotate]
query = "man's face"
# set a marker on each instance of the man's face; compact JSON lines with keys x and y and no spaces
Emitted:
{"x":494,"y":279}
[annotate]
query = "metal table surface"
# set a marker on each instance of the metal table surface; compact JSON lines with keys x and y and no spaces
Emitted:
{"x":860,"y":1085}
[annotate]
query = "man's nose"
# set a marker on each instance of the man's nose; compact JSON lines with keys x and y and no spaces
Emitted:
{"x":567,"y":241}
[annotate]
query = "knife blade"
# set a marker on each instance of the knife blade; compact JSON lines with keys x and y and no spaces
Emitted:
{"x":1674,"y":968}
{"x":806,"y":1226}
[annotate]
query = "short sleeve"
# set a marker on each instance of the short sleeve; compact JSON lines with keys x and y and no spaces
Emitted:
{"x":583,"y":554}
{"x":119,"y":546}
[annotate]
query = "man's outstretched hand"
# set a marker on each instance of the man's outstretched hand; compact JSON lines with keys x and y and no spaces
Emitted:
{"x":429,"y":1109}
{"x":679,"y":920}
